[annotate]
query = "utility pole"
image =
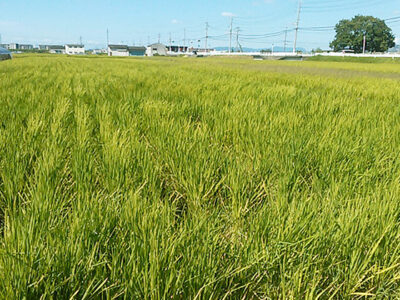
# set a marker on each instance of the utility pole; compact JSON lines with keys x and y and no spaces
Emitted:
{"x":0,"y":38}
{"x":230,"y":37}
{"x":108,"y":41}
{"x":184,"y":37}
{"x":364,"y":42}
{"x":80,"y":40}
{"x":170,"y":42}
{"x":285,"y":43}
{"x":297,"y":27}
{"x":159,"y":38}
{"x":148,"y":40}
{"x":237,"y":38}
{"x":206,"y":37}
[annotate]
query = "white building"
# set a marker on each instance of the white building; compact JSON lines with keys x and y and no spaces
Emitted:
{"x":25,"y":47}
{"x":156,"y":49}
{"x":118,"y":50}
{"x":13,"y":46}
{"x":99,"y":51}
{"x":124,"y":50}
{"x":75,"y":49}
{"x":55,"y":49}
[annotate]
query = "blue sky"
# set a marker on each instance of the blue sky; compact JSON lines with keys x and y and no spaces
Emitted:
{"x":140,"y":22}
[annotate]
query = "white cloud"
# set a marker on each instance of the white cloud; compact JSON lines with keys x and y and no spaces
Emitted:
{"x":174,"y":21}
{"x":227,"y":14}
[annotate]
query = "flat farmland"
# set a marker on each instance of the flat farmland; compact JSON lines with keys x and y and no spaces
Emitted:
{"x":198,"y":178}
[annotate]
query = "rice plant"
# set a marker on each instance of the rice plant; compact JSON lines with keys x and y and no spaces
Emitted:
{"x":211,"y":178}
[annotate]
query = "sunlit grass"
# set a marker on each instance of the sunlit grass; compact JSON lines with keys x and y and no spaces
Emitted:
{"x":198,"y":178}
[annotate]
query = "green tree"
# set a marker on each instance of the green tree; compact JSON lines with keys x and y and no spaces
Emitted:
{"x":350,"y":35}
{"x":318,"y":50}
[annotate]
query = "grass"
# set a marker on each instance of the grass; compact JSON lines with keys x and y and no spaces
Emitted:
{"x":370,"y":60}
{"x":198,"y":179}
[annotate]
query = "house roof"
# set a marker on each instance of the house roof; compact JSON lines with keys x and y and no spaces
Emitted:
{"x":75,"y":45}
{"x":126,"y":48}
{"x":137,"y":48}
{"x":55,"y":47}
{"x":157,"y":45}
{"x":118,"y":47}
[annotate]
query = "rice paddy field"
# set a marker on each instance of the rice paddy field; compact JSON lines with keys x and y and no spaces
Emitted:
{"x":208,"y":178}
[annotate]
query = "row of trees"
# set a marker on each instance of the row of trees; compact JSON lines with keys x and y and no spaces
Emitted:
{"x":363,"y":33}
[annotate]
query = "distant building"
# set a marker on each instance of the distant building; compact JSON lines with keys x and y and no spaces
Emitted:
{"x":156,"y":49}
{"x":25,"y":47}
{"x":45,"y":47}
{"x":177,"y":49}
{"x":55,"y":49}
{"x":202,"y":50}
{"x":124,"y":50}
{"x":136,"y":51}
{"x":118,"y":50}
{"x":13,"y":46}
{"x":74,"y":49}
{"x":99,"y":51}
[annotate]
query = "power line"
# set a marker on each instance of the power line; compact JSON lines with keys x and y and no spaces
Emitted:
{"x":340,"y":5}
{"x":214,"y":30}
